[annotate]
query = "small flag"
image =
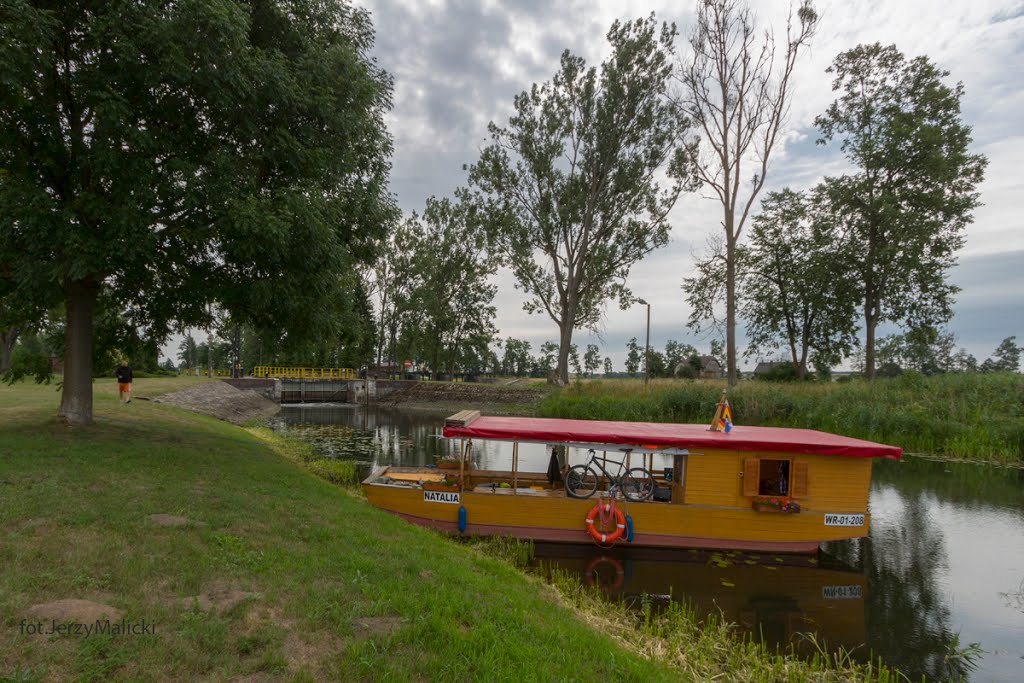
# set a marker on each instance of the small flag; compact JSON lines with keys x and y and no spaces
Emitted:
{"x":722,"y":421}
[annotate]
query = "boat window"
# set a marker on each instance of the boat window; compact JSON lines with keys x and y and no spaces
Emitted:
{"x":773,"y":478}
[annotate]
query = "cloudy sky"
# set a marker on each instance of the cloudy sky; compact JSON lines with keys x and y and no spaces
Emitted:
{"x":458,"y":64}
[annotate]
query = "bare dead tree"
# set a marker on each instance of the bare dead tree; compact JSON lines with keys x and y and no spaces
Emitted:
{"x":736,"y":90}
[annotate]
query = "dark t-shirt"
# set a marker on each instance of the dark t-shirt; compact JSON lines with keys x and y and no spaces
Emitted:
{"x":124,"y":375}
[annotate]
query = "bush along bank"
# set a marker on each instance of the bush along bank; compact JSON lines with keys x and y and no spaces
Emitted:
{"x":974,"y":416}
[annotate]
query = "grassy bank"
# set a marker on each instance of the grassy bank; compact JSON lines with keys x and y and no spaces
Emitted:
{"x":273,"y":573}
{"x":304,"y":581}
{"x":972,"y":416}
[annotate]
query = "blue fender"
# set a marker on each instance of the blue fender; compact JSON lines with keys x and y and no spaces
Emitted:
{"x":629,"y":529}
{"x":462,"y":518}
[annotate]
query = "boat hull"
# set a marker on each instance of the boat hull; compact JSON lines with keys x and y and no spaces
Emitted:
{"x":546,"y":517}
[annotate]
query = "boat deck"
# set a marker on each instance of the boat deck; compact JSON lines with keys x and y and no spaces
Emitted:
{"x":491,"y":482}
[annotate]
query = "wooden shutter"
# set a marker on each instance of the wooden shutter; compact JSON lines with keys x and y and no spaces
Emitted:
{"x":751,"y":476}
{"x":798,"y":485}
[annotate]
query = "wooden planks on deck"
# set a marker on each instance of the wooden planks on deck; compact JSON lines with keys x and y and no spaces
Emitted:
{"x":462,"y":418}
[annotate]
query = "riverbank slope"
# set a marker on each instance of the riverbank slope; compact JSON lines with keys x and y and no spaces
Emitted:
{"x":245,"y":565}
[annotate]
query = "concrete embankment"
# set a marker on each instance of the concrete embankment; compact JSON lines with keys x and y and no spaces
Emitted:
{"x":242,"y":400}
{"x":221,"y":400}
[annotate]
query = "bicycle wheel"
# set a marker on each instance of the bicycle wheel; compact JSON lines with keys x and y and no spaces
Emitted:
{"x":580,"y":482}
{"x":638,"y":484}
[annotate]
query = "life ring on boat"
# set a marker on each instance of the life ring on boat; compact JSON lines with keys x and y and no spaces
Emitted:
{"x":620,"y":523}
{"x":620,"y":573}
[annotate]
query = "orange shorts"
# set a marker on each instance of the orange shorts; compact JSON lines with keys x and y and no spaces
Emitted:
{"x":124,"y":386}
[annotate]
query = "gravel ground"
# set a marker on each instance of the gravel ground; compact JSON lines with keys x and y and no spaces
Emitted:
{"x":221,"y":400}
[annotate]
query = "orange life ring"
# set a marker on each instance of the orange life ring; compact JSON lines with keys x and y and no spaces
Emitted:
{"x":620,"y":574}
{"x":600,"y":536}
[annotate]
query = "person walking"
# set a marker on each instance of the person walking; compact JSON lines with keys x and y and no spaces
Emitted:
{"x":124,"y":382}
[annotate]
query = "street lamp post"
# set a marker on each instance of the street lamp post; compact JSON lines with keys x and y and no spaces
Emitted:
{"x":647,"y":344}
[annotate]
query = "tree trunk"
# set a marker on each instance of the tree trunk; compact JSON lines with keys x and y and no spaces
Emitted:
{"x":730,"y":308}
{"x":7,"y":341}
{"x":76,"y":390}
{"x":869,"y":343}
{"x":565,"y":341}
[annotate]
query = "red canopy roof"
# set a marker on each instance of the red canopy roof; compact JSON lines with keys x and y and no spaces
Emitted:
{"x":653,"y":435}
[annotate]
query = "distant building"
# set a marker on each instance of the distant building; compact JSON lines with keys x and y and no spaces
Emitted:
{"x":710,"y":368}
{"x":765,"y":367}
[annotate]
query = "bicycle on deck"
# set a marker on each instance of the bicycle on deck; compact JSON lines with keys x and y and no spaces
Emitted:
{"x":581,"y":481}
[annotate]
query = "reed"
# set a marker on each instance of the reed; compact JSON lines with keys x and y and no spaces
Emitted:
{"x":958,"y":415}
{"x":708,"y":648}
{"x":334,"y":470}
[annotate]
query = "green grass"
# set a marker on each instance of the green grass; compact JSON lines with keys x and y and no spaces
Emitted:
{"x":331,"y":588}
{"x":971,"y":416}
{"x":340,"y":589}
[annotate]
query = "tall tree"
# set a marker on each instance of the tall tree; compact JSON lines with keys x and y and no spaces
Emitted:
{"x":450,"y":296}
{"x":592,"y":359}
{"x":677,"y":356}
{"x":633,"y":357}
{"x":572,"y":188}
{"x":516,"y":360}
{"x":183,"y":153}
{"x":796,"y":289}
{"x":607,"y":365}
{"x":1006,"y":357}
{"x":737,"y":91}
{"x":906,"y":207}
{"x":188,"y":352}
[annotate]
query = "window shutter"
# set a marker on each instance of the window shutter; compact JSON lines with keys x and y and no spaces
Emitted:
{"x":798,"y":487}
{"x":751,"y":476}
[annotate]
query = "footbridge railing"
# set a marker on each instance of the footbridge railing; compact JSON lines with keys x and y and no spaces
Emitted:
{"x":303,"y":373}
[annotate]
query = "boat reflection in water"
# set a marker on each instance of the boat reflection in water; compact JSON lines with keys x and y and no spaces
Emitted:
{"x":773,"y":598}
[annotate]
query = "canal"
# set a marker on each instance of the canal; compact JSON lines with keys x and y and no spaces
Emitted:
{"x":943,"y":567}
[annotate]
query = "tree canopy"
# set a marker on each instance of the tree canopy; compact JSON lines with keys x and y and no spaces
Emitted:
{"x":570,"y":188}
{"x":912,"y":195}
{"x":183,"y":153}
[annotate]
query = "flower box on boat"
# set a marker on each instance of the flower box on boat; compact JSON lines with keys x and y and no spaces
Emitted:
{"x":714,"y":486}
{"x":775,"y":504}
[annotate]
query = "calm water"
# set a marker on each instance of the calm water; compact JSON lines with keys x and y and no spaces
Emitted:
{"x":943,"y":567}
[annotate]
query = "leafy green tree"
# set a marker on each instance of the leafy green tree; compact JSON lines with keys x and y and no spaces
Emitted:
{"x":795,"y":282}
{"x":906,"y":207}
{"x":1006,"y":357}
{"x":516,"y":360}
{"x":574,"y":360}
{"x":547,"y":359}
{"x":658,"y":366}
{"x":574,"y":188}
{"x":187,"y":153}
{"x":677,"y":356}
{"x":31,"y":357}
{"x":188,"y":352}
{"x":963,"y":361}
{"x":592,"y":359}
{"x":633,"y":357}
{"x":738,"y":96}
{"x":450,"y":296}
{"x":607,"y":366}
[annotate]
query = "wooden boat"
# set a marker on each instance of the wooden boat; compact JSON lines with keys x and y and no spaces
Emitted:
{"x":752,"y":488}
